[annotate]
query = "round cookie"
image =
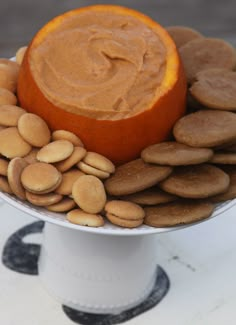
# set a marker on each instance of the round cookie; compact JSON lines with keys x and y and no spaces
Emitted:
{"x":89,"y":193}
{"x":4,"y":185}
{"x":10,"y":114}
{"x":67,"y":135}
{"x":230,"y":194}
{"x":2,"y":127}
{"x":31,"y":158}
{"x":231,"y":148}
{"x":12,"y":144}
{"x":8,"y":77}
{"x":20,"y":54}
{"x":135,"y":176}
{"x":124,"y":223}
{"x":55,"y":151}
{"x":100,"y":162}
{"x":206,"y":128}
{"x":89,"y":170}
{"x":68,"y":179}
{"x":177,"y":213}
{"x":182,"y":35}
{"x":175,"y":154}
{"x":76,"y":156}
{"x":15,"y":169}
{"x":34,"y":130}
{"x":199,"y":181}
{"x":64,"y":205}
{"x":3,"y":166}
{"x":221,"y":157}
{"x":40,"y":178}
{"x":43,"y":200}
{"x":124,"y":210}
{"x":7,"y":97}
{"x":150,"y":196}
{"x":82,"y":218}
{"x":215,"y":88}
{"x":14,"y":65}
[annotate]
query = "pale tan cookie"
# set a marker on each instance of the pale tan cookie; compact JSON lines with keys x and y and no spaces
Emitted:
{"x":4,"y":185}
{"x":79,"y":217}
{"x":230,"y":194}
{"x":8,"y":77}
{"x":100,"y":162}
{"x":12,"y":144}
{"x":89,"y":193}
{"x":55,"y":151}
{"x":43,"y":200}
{"x":20,"y":53}
{"x":64,"y":205}
{"x":76,"y":156}
{"x":175,"y":154}
{"x":10,"y":63}
{"x":40,"y":178}
{"x":182,"y":35}
{"x":215,"y":88}
{"x":2,"y":127}
{"x":7,"y":97}
{"x":199,"y":181}
{"x":135,"y":176}
{"x":34,"y":130}
{"x":124,"y":223}
{"x":10,"y":114}
{"x":31,"y":158}
{"x":68,"y":179}
{"x":67,"y":135}
{"x":92,"y":171}
{"x":15,"y":169}
{"x":3,"y":166}
{"x":206,"y":128}
{"x":124,"y":210}
{"x":150,"y":196}
{"x":177,"y":213}
{"x":221,"y":157}
{"x":206,"y":53}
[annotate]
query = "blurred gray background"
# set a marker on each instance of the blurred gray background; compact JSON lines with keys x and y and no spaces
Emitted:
{"x":20,"y":19}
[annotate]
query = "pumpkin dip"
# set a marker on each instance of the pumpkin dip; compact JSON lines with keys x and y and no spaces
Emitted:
{"x":102,"y":65}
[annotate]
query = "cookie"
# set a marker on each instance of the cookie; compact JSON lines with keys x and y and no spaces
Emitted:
{"x":177,"y":213}
{"x":182,"y":35}
{"x":221,"y":157}
{"x":124,"y":210}
{"x":175,"y":154}
{"x":206,"y":53}
{"x":43,"y":200}
{"x":124,"y":223}
{"x":135,"y":176}
{"x":89,"y":170}
{"x":8,"y":77}
{"x":230,"y":194}
{"x":3,"y":166}
{"x":82,"y":218}
{"x":12,"y":144}
{"x":150,"y":196}
{"x":64,"y":205}
{"x":199,"y":181}
{"x":7,"y":97}
{"x":76,"y":156}
{"x":15,"y":169}
{"x":40,"y":178}
{"x":2,"y":127}
{"x":20,"y":54}
{"x":206,"y":128}
{"x":31,"y":158}
{"x":231,"y":148}
{"x":55,"y":151}
{"x":68,"y":179}
{"x":100,"y":162}
{"x":215,"y":88}
{"x":4,"y":185}
{"x":14,"y":65}
{"x":67,"y":135}
{"x":10,"y":114}
{"x":89,"y":193}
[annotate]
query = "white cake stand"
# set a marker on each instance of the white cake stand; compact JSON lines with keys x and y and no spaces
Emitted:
{"x":97,"y":270}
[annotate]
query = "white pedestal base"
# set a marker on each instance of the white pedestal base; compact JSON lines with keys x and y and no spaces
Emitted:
{"x":97,"y":273}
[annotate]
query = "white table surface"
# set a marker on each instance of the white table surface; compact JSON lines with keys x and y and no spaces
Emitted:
{"x":200,"y":261}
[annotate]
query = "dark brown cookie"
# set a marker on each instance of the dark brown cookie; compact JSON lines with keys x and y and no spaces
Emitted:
{"x":221,"y":157}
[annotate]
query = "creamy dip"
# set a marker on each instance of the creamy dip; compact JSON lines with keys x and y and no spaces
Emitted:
{"x":102,"y":65}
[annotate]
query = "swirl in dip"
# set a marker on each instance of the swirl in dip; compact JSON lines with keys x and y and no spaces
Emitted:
{"x":101,"y":65}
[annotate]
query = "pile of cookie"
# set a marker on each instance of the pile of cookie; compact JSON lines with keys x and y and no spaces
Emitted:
{"x":172,"y":183}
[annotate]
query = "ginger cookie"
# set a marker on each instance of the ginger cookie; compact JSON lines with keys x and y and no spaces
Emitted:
{"x":15,"y":169}
{"x":10,"y":114}
{"x":3,"y":166}
{"x":230,"y":194}
{"x":199,"y":181}
{"x":8,"y":77}
{"x":34,"y":130}
{"x":12,"y":144}
{"x":215,"y":88}
{"x":224,"y":157}
{"x":20,"y":54}
{"x":175,"y":154}
{"x":182,"y":35}
{"x":177,"y":213}
{"x":77,"y":155}
{"x":4,"y":185}
{"x":67,"y":135}
{"x":124,"y":223}
{"x":64,"y":205}
{"x":150,"y":196}
{"x":55,"y":151}
{"x":31,"y":158}
{"x":40,"y":178}
{"x":135,"y":176}
{"x":89,"y":170}
{"x":206,"y":53}
{"x":68,"y":179}
{"x":124,"y":210}
{"x":7,"y":97}
{"x":43,"y":200}
{"x":231,"y":148}
{"x":89,"y":193}
{"x":206,"y":128}
{"x":79,"y":217}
